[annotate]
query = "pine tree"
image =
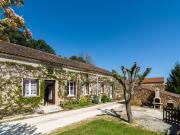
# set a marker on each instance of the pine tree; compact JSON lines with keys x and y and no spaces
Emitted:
{"x":173,"y":82}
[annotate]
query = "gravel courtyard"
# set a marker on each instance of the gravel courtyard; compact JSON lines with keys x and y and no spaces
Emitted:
{"x":148,"y":118}
{"x":144,"y":117}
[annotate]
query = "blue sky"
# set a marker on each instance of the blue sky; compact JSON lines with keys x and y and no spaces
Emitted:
{"x":114,"y":32}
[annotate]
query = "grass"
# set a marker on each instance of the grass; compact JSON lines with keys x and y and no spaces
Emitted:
{"x":104,"y":126}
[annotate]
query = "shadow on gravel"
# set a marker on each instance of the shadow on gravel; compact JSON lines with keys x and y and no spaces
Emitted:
{"x":174,"y":130}
{"x":113,"y":113}
{"x":18,"y":129}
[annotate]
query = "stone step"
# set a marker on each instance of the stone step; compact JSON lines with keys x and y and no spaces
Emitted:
{"x":48,"y":109}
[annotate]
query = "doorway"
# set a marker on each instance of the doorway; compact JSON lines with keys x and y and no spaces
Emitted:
{"x":49,"y":94}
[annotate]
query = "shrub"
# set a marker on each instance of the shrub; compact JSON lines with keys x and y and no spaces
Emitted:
{"x":105,"y":99}
{"x":85,"y":101}
{"x":95,"y":99}
{"x":89,"y":99}
{"x":70,"y":104}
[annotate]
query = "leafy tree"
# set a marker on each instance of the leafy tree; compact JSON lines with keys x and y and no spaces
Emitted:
{"x":173,"y":82}
{"x":11,"y":20}
{"x":77,"y":58}
{"x":83,"y":58}
{"x":18,"y":37}
{"x":13,"y":29}
{"x":40,"y":45}
{"x":131,"y":80}
{"x":15,"y":36}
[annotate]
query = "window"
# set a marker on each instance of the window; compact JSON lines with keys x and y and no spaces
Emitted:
{"x":86,"y":89}
{"x":30,"y":87}
{"x":102,"y":88}
{"x":71,"y":88}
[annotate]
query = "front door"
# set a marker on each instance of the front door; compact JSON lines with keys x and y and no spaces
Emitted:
{"x":49,"y":97}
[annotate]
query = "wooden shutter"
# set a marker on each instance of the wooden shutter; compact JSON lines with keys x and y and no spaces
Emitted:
{"x":74,"y":88}
{"x":67,"y":88}
{"x":38,"y":93}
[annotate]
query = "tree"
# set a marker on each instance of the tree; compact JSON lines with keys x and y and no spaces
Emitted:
{"x":11,"y":20}
{"x":17,"y":37}
{"x":83,"y":58}
{"x":77,"y":58}
{"x":173,"y":81}
{"x":40,"y":45}
{"x":13,"y":29}
{"x":88,"y":59}
{"x":130,"y":80}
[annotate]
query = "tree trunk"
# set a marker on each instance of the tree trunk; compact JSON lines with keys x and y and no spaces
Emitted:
{"x":128,"y":111}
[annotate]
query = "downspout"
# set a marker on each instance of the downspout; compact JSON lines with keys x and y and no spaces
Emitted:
{"x":97,"y":79}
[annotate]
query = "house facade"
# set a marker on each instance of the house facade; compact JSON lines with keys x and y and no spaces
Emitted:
{"x":29,"y":78}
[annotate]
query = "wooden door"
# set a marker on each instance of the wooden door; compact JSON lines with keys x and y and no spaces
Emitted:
{"x":50,"y":91}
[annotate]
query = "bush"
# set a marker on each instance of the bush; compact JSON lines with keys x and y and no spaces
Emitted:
{"x":95,"y":99}
{"x":105,"y":99}
{"x":83,"y":101}
{"x":70,"y":104}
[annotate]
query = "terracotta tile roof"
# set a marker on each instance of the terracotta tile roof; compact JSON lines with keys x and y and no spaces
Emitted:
{"x":153,"y":80}
{"x":25,"y":52}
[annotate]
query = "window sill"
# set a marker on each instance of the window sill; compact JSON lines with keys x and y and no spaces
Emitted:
{"x":31,"y":96}
{"x":70,"y":95}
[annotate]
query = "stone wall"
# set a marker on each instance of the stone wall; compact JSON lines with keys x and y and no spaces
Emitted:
{"x":145,"y":95}
{"x":161,"y":86}
{"x":13,"y":73}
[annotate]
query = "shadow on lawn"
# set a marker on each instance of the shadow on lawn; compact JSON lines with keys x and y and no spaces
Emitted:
{"x":113,"y":113}
{"x":17,"y":129}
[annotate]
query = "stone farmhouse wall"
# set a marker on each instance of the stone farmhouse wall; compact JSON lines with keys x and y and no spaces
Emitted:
{"x":161,"y":86}
{"x":13,"y":72}
{"x":145,"y":95}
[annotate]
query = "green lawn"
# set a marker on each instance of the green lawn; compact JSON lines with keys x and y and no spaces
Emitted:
{"x":106,"y":127}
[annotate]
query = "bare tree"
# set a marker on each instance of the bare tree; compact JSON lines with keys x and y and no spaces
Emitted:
{"x":85,"y":58}
{"x":89,"y":59}
{"x":130,"y":80}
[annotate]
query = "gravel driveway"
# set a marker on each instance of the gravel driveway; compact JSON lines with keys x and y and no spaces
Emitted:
{"x":145,"y":117}
{"x":148,"y":118}
{"x":50,"y":122}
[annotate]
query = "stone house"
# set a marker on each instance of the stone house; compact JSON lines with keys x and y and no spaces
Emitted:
{"x":157,"y":82}
{"x":29,"y":78}
{"x":146,"y":94}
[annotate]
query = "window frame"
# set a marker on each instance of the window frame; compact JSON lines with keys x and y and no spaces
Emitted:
{"x":86,"y":89}
{"x":69,"y":88}
{"x":111,"y":91}
{"x":102,"y":88}
{"x":30,"y":87}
